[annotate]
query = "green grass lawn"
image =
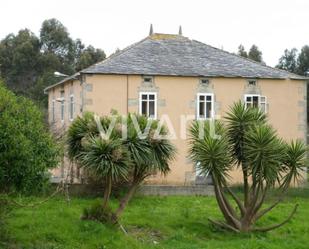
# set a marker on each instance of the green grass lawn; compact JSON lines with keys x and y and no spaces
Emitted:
{"x":151,"y":222}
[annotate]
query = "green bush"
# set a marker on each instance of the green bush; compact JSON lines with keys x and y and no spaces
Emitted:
{"x":27,"y":149}
{"x":97,"y":212}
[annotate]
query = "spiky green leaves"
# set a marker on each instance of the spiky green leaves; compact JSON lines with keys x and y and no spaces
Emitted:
{"x":239,"y":120}
{"x":120,"y":146}
{"x":106,"y":157}
{"x":294,"y":162}
{"x":210,"y":149}
{"x":263,"y":154}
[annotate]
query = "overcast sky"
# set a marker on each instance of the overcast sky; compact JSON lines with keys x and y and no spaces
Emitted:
{"x":272,"y":25}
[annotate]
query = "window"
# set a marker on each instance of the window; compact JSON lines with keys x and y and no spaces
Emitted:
{"x":204,"y":81}
{"x":205,"y":105}
{"x":62,"y":105}
{"x":53,"y":110}
{"x":252,"y":82}
{"x":71,"y":111}
{"x":198,"y":171}
{"x":148,"y":79}
{"x":148,"y":104}
{"x":257,"y":101}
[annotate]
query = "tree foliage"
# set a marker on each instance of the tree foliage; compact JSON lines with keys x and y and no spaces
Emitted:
{"x":27,"y":150}
{"x":255,"y":54}
{"x":27,"y":62}
{"x":133,"y":157}
{"x":246,"y":142}
{"x":288,"y":61}
{"x":295,"y":62}
{"x":242,"y":52}
{"x":303,"y":61}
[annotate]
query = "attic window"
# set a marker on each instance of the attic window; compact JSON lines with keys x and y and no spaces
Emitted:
{"x":252,"y":82}
{"x":204,"y":81}
{"x":148,"y":79}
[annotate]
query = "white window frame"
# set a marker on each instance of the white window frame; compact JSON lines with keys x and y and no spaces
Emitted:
{"x":212,"y":113}
{"x":71,"y":107}
{"x":62,"y":106}
{"x":53,"y":111}
{"x":261,"y":102}
{"x":155,"y":103}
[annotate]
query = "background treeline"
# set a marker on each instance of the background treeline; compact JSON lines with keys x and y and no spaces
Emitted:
{"x":28,"y":62}
{"x":292,"y":60}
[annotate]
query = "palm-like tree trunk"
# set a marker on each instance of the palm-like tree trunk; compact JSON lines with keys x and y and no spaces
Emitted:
{"x":125,"y":200}
{"x":107,"y":192}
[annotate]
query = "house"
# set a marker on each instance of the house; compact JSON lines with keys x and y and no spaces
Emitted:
{"x":172,"y":76}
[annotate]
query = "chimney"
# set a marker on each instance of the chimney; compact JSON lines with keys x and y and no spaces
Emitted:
{"x":151,"y":30}
{"x":180,"y":30}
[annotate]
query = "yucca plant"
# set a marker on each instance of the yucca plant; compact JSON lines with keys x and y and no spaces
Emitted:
{"x":247,"y":142}
{"x":133,"y":157}
{"x":107,"y":158}
{"x":149,"y":154}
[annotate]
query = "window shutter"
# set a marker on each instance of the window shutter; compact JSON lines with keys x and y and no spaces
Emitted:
{"x":263,"y":103}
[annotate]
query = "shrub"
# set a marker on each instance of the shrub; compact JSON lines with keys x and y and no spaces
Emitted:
{"x":27,"y":149}
{"x":97,"y":212}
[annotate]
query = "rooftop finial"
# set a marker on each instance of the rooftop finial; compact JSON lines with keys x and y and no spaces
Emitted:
{"x":151,"y":30}
{"x":180,"y":30}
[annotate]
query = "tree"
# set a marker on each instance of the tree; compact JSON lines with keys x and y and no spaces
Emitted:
{"x":20,"y":61}
{"x":133,"y":157}
{"x":27,"y":150}
{"x":242,"y":52}
{"x":288,"y":61}
{"x":149,"y":155}
{"x":89,"y":56}
{"x":249,"y":143}
{"x":255,"y":54}
{"x":27,"y":62}
{"x":56,"y":41}
{"x":303,"y":61}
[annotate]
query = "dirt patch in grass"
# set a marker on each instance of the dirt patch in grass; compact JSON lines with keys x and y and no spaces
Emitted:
{"x":146,"y":234}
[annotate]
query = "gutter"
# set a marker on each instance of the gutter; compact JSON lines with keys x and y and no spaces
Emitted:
{"x":72,"y":77}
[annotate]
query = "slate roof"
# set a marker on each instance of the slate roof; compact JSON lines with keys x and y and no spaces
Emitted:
{"x":176,"y":55}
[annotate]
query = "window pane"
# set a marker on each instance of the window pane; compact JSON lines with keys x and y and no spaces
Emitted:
{"x":151,"y":96}
{"x":248,"y":99}
{"x":208,"y":110}
{"x":144,"y":96}
{"x":144,"y":108}
{"x":201,"y":110}
{"x":202,"y":97}
{"x":255,"y":101}
{"x":53,"y":111}
{"x":263,"y":107}
{"x":71,"y":107}
{"x":62,"y":111}
{"x":208,"y":98}
{"x":151,"y":109}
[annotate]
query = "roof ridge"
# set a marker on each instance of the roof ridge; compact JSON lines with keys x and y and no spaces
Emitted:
{"x":248,"y":59}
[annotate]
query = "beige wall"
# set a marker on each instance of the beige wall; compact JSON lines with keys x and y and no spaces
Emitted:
{"x":70,"y":88}
{"x":177,"y":96}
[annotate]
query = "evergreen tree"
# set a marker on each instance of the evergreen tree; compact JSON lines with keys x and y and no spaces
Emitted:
{"x":255,"y":54}
{"x":303,"y":61}
{"x":288,"y":61}
{"x":27,"y":62}
{"x":242,"y":52}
